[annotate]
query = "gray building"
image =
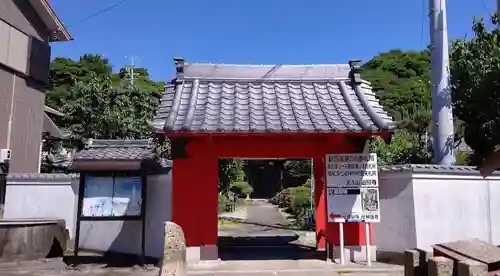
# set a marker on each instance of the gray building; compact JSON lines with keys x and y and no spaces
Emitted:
{"x":26,"y":29}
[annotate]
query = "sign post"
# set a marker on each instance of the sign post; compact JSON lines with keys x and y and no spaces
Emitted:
{"x":341,"y":221}
{"x":368,"y":242}
{"x":353,"y":194}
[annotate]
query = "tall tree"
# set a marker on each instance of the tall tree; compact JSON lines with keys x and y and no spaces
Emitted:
{"x":65,"y":72}
{"x":475,"y":68}
{"x":97,"y":111}
{"x":401,"y":80}
{"x":101,"y":104}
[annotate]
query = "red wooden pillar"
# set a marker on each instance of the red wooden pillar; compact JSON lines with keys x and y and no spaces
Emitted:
{"x":194,"y":195}
{"x":320,"y":202}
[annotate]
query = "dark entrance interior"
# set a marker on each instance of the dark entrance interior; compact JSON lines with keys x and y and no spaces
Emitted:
{"x":272,"y":223}
{"x":265,"y":177}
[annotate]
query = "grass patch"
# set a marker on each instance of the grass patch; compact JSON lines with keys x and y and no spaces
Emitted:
{"x":227,"y":222}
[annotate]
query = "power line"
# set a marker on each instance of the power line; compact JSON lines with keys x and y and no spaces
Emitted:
{"x":485,"y":6}
{"x":97,"y":13}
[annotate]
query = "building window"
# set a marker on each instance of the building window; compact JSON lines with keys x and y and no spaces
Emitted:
{"x":14,"y":46}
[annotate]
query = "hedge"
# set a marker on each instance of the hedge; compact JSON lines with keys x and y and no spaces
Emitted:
{"x":297,"y":201}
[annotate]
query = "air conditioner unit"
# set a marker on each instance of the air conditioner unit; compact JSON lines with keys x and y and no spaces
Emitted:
{"x":5,"y":155}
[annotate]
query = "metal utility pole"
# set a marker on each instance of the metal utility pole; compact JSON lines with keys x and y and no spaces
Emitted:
{"x":442,"y":114}
{"x":498,"y":12}
{"x":130,"y":77}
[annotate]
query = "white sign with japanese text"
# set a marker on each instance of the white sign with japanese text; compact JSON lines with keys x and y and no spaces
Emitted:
{"x":352,"y":187}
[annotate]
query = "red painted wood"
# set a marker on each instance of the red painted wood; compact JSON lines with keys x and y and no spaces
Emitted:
{"x":195,"y":180}
{"x":320,"y":202}
{"x":194,"y":196}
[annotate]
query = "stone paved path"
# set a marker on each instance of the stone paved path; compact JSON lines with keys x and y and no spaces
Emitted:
{"x":262,"y":220}
{"x":262,"y":235}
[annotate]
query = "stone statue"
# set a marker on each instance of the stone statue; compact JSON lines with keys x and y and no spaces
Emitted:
{"x":174,"y":251}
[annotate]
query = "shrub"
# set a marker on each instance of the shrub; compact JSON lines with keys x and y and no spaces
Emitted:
{"x":297,"y":201}
{"x":242,"y":188}
{"x":223,"y":201}
{"x":308,"y":183}
{"x":301,"y":199}
{"x":284,"y":198}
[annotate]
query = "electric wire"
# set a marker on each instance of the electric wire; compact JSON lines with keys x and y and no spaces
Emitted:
{"x":485,"y":6}
{"x":99,"y":12}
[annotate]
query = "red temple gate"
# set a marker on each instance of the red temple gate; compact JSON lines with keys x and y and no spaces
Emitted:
{"x":212,"y":111}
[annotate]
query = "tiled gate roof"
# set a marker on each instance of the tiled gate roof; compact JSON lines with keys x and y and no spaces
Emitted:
{"x":269,"y":98}
{"x":116,"y":150}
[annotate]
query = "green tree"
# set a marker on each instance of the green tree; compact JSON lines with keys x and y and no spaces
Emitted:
{"x":401,"y":80}
{"x":100,"y":104}
{"x":97,"y":111}
{"x":475,"y":67}
{"x":230,"y":171}
{"x":65,"y":72}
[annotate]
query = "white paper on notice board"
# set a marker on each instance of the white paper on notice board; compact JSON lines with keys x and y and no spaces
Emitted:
{"x":351,"y":170}
{"x":352,"y":183}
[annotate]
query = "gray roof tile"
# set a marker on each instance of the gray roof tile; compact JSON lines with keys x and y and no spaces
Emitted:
{"x":42,"y":176}
{"x":268,"y":98}
{"x":116,"y":150}
{"x":430,"y":168}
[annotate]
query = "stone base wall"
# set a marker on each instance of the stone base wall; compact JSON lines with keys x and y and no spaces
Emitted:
{"x":422,"y":263}
{"x":32,"y":239}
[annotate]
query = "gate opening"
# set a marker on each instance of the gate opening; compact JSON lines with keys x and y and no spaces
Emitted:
{"x":266,"y":209}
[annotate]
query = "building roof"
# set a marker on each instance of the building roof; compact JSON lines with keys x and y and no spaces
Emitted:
{"x":431,"y":168}
{"x":127,"y":150}
{"x":49,"y":126}
{"x":120,"y":155}
{"x":269,"y":98}
{"x":53,"y":111}
{"x":51,"y":20}
{"x":41,"y":176}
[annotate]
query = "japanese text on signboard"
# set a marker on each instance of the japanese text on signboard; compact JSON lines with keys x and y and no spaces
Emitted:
{"x":352,"y":187}
{"x":352,"y":170}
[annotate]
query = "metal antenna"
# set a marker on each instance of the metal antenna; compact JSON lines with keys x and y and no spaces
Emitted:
{"x":442,"y":113}
{"x":130,"y":71}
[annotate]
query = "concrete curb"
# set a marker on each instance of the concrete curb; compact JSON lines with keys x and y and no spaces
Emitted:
{"x":332,"y":270}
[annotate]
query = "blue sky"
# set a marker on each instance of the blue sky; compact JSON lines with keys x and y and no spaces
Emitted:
{"x":252,"y":31}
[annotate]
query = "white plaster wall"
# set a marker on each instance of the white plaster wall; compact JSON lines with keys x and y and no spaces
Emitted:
{"x":419,"y":210}
{"x":42,"y":197}
{"x":397,"y":227}
{"x":494,"y":208}
{"x":449,"y":208}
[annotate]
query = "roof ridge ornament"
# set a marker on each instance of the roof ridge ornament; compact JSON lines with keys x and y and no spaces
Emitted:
{"x":179,"y":66}
{"x":355,"y":74}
